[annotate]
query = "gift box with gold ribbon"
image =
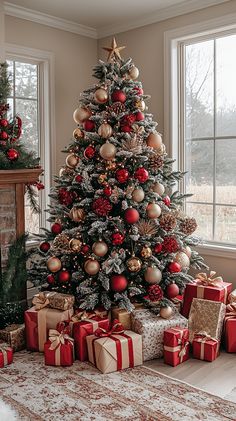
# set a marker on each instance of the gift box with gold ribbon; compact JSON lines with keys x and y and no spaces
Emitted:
{"x":124,"y":316}
{"x":38,"y":323}
{"x":6,"y":355}
{"x":205,"y":347}
{"x":53,"y":299}
{"x":115,"y":348}
{"x":14,"y":335}
{"x":230,"y":328}
{"x":176,"y":345}
{"x":207,"y":316}
{"x":59,"y":349}
{"x":83,"y":324}
{"x":208,"y":287}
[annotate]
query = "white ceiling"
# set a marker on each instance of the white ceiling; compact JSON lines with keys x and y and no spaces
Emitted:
{"x":109,"y":16}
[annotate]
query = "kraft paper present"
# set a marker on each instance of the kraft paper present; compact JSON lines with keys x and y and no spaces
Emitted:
{"x":206,"y":316}
{"x":54,"y":300}
{"x":124,"y":316}
{"x":14,"y":335}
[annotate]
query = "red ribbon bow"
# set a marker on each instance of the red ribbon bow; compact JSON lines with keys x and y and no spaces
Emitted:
{"x":115,"y":329}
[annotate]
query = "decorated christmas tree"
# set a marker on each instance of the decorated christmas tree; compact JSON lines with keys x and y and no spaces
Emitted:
{"x":118,"y":233}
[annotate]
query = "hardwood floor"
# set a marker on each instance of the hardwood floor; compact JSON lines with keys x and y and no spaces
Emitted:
{"x":217,"y":377}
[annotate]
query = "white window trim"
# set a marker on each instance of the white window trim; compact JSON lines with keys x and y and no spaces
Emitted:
{"x":46,"y":61}
{"x":173,"y":126}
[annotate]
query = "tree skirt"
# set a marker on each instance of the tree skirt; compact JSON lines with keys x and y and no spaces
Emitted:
{"x":81,"y":393}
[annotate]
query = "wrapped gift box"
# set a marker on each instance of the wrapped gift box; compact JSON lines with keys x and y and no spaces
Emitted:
{"x":206,"y":316}
{"x":54,"y":300}
{"x":176,"y":345}
{"x":81,"y":329}
{"x":38,"y":323}
{"x":205,"y":348}
{"x":209,"y":288}
{"x":116,"y":351}
{"x":59,"y":349}
{"x":230,"y":328}
{"x":14,"y":335}
{"x":152,"y":328}
{"x":124,"y":316}
{"x":6,"y":355}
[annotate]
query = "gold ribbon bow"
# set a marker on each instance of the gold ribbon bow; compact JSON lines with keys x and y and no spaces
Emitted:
{"x":230,"y":311}
{"x":57,"y":339}
{"x":84,"y":315}
{"x":40,"y":301}
{"x":203,"y":279}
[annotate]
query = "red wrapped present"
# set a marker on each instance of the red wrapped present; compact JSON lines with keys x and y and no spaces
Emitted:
{"x":59,"y":349}
{"x":230,"y":328}
{"x":204,"y":347}
{"x":114,"y":349}
{"x":84,"y":324}
{"x":176,"y":345}
{"x":38,"y":323}
{"x":6,"y":355}
{"x":206,"y":287}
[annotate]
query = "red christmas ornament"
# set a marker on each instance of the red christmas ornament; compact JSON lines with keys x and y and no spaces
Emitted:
{"x":56,"y":228}
{"x":141,"y":174}
{"x":84,"y":249}
{"x":65,"y":197}
{"x":139,"y":116}
{"x":158,"y":248}
{"x":78,"y":178}
{"x":131,"y":216}
{"x":122,"y":175}
{"x":89,"y":125}
{"x":118,"y":96}
{"x":155,"y":293}
{"x":118,"y":283}
{"x":172,"y":290}
{"x":4,"y":135}
{"x":45,"y":246}
{"x":139,"y":91}
{"x":126,"y":128}
{"x":166,"y":200}
{"x":107,"y":190}
{"x":128,"y":119}
{"x":50,"y":279}
{"x":64,"y":276}
{"x":12,"y":154}
{"x":117,"y":238}
{"x":174,"y":267}
{"x":4,"y":122}
{"x":170,"y":245}
{"x":89,"y":152}
{"x":102,"y":206}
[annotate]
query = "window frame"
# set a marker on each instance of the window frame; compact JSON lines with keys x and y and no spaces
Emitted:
{"x":174,"y":84}
{"x":46,"y":92}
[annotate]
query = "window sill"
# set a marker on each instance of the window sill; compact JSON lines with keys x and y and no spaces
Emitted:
{"x":217,"y":251}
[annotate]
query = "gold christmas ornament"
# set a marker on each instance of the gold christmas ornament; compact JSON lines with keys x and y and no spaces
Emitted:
{"x":75,"y":244}
{"x":134,"y":264}
{"x":72,"y":160}
{"x":113,"y":50}
{"x":182,"y":259}
{"x":152,"y":275}
{"x":188,"y":225}
{"x":100,"y":248}
{"x":153,"y":211}
{"x":138,"y":195}
{"x":54,"y":264}
{"x":105,"y":130}
{"x":146,"y":252}
{"x":158,"y":188}
{"x":101,"y":96}
{"x":154,"y":140}
{"x":111,"y":165}
{"x":187,"y":250}
{"x":78,"y":133}
{"x":147,"y":228}
{"x":61,"y":241}
{"x":107,"y":151}
{"x":81,"y":114}
{"x":91,"y":266}
{"x":140,"y":104}
{"x":134,"y":72}
{"x":77,"y":214}
{"x":102,"y":178}
{"x":168,"y":222}
{"x":166,"y":312}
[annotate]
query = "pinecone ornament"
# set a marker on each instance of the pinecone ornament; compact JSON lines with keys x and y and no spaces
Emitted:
{"x":156,"y":162}
{"x":116,"y":108}
{"x":188,"y":225}
{"x":168,"y":221}
{"x":61,"y":242}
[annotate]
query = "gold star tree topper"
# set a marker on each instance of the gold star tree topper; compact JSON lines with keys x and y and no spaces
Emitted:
{"x":114,"y":50}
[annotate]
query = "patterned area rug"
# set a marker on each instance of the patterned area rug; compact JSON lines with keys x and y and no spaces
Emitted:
{"x":81,"y":393}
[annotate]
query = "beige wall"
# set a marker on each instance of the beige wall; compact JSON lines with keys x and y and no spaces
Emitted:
{"x":146,"y":46}
{"x":75,"y":56}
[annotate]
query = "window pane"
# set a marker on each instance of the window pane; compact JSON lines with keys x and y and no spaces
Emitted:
{"x":10,"y":74}
{"x":204,"y":217}
{"x":226,"y":87}
{"x":26,"y":80}
{"x":27,"y":110}
{"x":199,"y":89}
{"x":226,"y":171}
{"x":10,"y":112}
{"x":199,"y":164}
{"x":225,"y":224}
